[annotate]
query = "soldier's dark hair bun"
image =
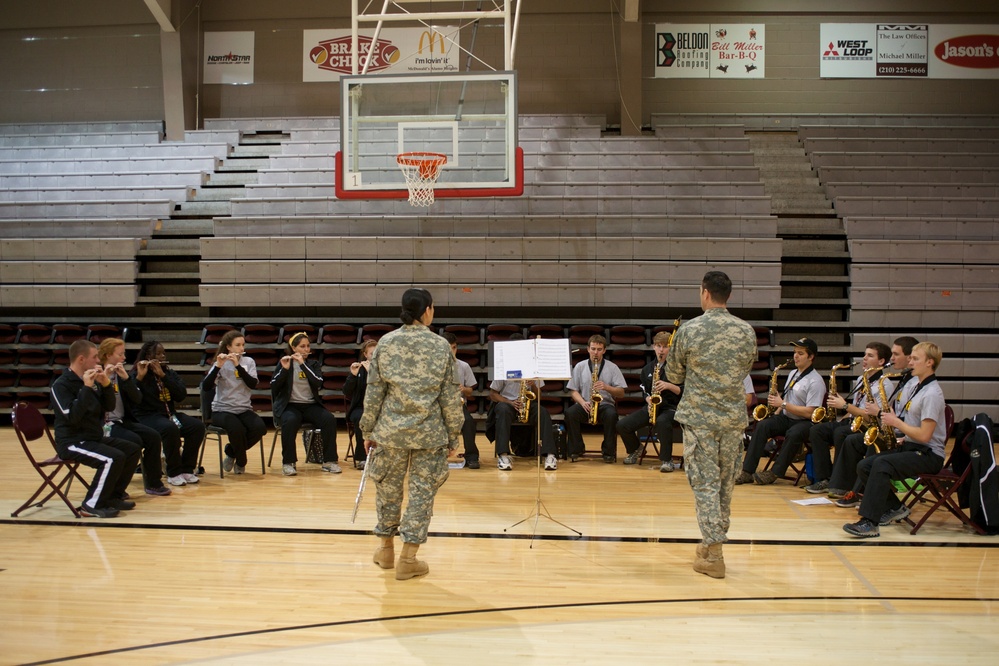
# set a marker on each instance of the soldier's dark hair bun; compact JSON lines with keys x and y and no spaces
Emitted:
{"x":414,"y":303}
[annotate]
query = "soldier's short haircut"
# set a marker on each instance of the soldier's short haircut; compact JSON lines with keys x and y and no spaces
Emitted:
{"x":599,"y":339}
{"x":881,"y":349}
{"x":718,"y":285}
{"x":906,"y":342}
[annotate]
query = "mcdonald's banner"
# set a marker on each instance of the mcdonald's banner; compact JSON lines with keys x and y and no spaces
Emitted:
{"x":326,"y":53}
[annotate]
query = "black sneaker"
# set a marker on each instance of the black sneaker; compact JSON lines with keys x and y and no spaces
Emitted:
{"x":610,"y":460}
{"x":472,"y":463}
{"x":849,"y":500}
{"x":818,"y":487}
{"x":121,"y":504}
{"x":863,"y":528}
{"x":102,"y":512}
{"x":894,"y":515}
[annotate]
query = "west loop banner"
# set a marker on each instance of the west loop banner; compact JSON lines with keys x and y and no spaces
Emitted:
{"x":228,"y":57}
{"x":861,"y":50}
{"x":326,"y":53}
{"x":695,"y":50}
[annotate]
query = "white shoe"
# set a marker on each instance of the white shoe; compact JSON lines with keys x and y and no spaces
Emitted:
{"x":237,"y":469}
{"x":332,"y":468}
{"x":178,"y":480}
{"x":191,"y":478}
{"x":289,"y":470}
{"x":551,"y":463}
{"x":667,"y":466}
{"x":503,"y":462}
{"x":228,"y":463}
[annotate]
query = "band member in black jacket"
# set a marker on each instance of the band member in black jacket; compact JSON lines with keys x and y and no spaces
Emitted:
{"x":354,"y":389}
{"x":80,"y":397}
{"x":162,"y":388}
{"x":295,"y":400}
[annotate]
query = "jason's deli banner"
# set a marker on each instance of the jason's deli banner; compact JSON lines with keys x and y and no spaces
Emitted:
{"x":326,"y":53}
{"x":861,"y":50}
{"x":229,"y":57}
{"x":699,"y":50}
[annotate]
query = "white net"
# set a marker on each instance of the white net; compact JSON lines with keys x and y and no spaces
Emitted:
{"x":421,"y":171}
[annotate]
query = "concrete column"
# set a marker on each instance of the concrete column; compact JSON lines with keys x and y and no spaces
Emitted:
{"x":173,"y":85}
{"x":630,"y":41}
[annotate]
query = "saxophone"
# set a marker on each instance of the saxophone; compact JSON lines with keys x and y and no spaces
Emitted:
{"x":654,"y":398}
{"x":882,"y":436}
{"x":863,"y":421}
{"x":676,"y":325}
{"x":821,"y":414}
{"x":595,"y":396}
{"x":764,"y":411}
{"x":525,"y":398}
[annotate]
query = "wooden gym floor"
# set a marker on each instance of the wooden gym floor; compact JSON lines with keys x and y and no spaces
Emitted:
{"x":267,"y":569}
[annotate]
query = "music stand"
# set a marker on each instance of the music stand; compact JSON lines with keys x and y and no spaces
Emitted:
{"x":525,"y":360}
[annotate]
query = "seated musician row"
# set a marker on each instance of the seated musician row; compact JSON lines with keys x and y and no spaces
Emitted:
{"x":888,"y":434}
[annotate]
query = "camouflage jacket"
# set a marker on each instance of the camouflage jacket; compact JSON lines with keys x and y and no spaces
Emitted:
{"x":710,"y":356}
{"x":412,"y":399}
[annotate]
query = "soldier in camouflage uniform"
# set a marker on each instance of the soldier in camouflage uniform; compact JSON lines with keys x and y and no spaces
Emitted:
{"x":711,"y":355}
{"x":413,"y":415}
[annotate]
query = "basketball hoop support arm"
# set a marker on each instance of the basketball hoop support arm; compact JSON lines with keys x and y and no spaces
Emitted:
{"x":509,"y":32}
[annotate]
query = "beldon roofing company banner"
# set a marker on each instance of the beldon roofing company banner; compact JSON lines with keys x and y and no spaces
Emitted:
{"x":326,"y":53}
{"x":937,"y":51}
{"x":717,"y":51}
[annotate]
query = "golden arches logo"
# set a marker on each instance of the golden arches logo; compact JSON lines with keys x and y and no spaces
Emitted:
{"x":430,"y":36}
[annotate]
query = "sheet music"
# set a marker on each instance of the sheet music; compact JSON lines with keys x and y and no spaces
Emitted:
{"x":531,"y":359}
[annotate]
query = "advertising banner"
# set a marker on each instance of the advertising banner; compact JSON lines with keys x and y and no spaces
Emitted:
{"x":964,"y":51}
{"x":738,"y":51}
{"x":228,"y":57}
{"x":326,"y":53}
{"x":699,"y":50}
{"x":683,"y":51}
{"x":862,"y":50}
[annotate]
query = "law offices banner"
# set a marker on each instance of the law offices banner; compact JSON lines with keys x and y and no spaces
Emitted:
{"x":862,"y":50}
{"x":697,"y":50}
{"x":228,"y":57}
{"x":326,"y":53}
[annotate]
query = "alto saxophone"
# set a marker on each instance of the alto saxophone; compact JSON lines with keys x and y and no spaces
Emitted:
{"x":764,"y":411}
{"x":881,"y":435}
{"x":654,"y":398}
{"x":525,"y":398}
{"x":821,"y":414}
{"x":863,"y":421}
{"x":595,"y":396}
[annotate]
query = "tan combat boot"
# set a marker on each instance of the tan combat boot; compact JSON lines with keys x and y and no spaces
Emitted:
{"x":408,"y":566}
{"x":385,"y":554}
{"x":713,"y":563}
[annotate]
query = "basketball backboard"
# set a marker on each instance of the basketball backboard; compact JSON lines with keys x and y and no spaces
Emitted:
{"x":469,"y":117}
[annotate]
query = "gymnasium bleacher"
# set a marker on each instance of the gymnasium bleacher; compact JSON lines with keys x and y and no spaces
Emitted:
{"x":611,"y":232}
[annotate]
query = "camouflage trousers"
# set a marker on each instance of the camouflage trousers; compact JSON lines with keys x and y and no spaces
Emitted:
{"x":712,"y":458}
{"x":427,"y":470}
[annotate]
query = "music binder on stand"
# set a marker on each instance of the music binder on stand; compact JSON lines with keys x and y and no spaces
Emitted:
{"x":537,"y":359}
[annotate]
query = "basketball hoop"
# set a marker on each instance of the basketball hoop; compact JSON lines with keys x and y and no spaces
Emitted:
{"x":421,"y":171}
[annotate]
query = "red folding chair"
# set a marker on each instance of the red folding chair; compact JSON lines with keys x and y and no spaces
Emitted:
{"x":30,"y":426}
{"x":942,"y":489}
